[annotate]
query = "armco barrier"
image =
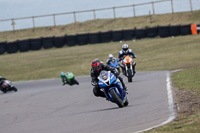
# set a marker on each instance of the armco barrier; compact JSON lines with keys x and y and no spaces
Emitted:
{"x":140,"y":33}
{"x":2,"y":47}
{"x":105,"y":36}
{"x":48,"y":42}
{"x":128,"y":34}
{"x":175,"y":30}
{"x":185,"y":29}
{"x":35,"y":44}
{"x":72,"y":40}
{"x":152,"y":32}
{"x":11,"y":47}
{"x":83,"y":39}
{"x":164,"y":31}
{"x":94,"y":38}
{"x":59,"y":41}
{"x":117,"y":35}
{"x":24,"y":45}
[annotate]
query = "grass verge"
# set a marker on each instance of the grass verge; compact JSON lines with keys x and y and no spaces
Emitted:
{"x":188,"y":98}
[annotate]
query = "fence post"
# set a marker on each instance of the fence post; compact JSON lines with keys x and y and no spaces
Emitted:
{"x":33,"y":18}
{"x":13,"y":24}
{"x":94,"y":12}
{"x":114,"y":12}
{"x":153,"y":8}
{"x":74,"y":17}
{"x":172,"y":6}
{"x":54,"y":20}
{"x":191,"y":5}
{"x":133,"y":10}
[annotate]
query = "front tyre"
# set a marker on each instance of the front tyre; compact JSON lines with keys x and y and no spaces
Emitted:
{"x":75,"y":81}
{"x":14,"y":89}
{"x":116,"y":98}
{"x":126,"y":102}
{"x":129,"y":75}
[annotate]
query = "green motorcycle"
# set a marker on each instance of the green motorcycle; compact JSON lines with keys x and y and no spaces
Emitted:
{"x":68,"y":78}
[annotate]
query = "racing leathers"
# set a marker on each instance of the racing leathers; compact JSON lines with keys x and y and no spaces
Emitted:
{"x":94,"y":76}
{"x":1,"y":81}
{"x":122,"y":55}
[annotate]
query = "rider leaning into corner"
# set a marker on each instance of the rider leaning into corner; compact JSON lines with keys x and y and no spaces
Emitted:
{"x":124,"y":52}
{"x":97,"y":67}
{"x":1,"y":81}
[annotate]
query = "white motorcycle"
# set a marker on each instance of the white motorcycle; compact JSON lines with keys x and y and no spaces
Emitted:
{"x":8,"y":86}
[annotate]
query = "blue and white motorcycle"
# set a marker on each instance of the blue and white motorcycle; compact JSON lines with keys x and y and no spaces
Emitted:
{"x":114,"y":63}
{"x":112,"y":88}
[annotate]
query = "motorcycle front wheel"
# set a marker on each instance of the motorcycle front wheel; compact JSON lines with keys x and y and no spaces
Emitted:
{"x":116,"y":98}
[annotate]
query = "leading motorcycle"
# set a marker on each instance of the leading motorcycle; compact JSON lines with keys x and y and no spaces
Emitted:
{"x":112,"y":88}
{"x":8,"y":86}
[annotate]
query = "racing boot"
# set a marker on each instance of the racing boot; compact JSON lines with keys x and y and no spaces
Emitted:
{"x":123,"y":85}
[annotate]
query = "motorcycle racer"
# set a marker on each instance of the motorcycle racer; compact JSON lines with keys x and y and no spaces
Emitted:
{"x":1,"y":81}
{"x":97,"y":67}
{"x":68,"y":78}
{"x":124,"y":52}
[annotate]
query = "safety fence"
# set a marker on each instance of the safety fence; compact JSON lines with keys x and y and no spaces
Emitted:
{"x":98,"y":37}
{"x":149,"y":8}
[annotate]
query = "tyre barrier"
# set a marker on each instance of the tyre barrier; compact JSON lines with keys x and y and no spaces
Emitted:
{"x":12,"y":47}
{"x":117,"y":35}
{"x":99,"y":37}
{"x":2,"y":47}
{"x":152,"y":32}
{"x":59,"y":41}
{"x":35,"y":44}
{"x":198,"y":28}
{"x":185,"y":29}
{"x":128,"y":34}
{"x":140,"y":33}
{"x":164,"y":31}
{"x":83,"y":39}
{"x":94,"y":38}
{"x":24,"y":45}
{"x":105,"y":36}
{"x":72,"y":40}
{"x":48,"y":42}
{"x":175,"y":30}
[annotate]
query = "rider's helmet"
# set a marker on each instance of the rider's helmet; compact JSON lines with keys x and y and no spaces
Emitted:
{"x":110,"y":56}
{"x":96,"y":65}
{"x":125,"y":48}
{"x":62,"y":74}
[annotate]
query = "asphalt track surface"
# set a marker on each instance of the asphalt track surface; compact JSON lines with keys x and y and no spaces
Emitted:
{"x":45,"y":106}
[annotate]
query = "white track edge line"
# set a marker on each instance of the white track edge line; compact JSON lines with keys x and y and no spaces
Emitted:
{"x":171,"y":107}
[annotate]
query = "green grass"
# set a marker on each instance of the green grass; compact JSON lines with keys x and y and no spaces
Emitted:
{"x":188,"y":79}
{"x":152,"y":54}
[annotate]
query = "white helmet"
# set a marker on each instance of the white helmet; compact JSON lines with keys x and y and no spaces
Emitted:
{"x":125,"y":47}
{"x":110,"y":56}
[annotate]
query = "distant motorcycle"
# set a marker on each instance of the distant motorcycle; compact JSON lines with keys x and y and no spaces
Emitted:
{"x":112,"y":88}
{"x":71,"y":79}
{"x":8,"y":86}
{"x":114,"y":63}
{"x":128,"y":67}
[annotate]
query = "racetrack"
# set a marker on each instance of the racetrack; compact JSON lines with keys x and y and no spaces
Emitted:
{"x":45,"y":106}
